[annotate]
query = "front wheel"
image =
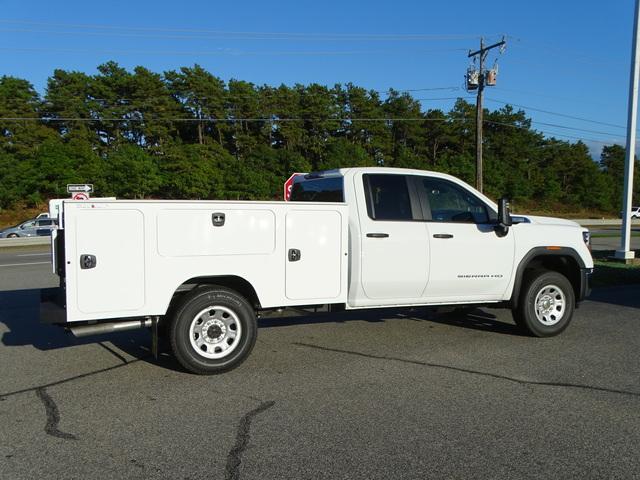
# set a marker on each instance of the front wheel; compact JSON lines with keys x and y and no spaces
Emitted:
{"x":213,"y":330}
{"x":12,"y":235}
{"x":546,"y":304}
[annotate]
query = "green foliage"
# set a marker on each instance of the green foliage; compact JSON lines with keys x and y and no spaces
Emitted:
{"x":130,"y":172}
{"x":194,"y":171}
{"x":187,"y":134}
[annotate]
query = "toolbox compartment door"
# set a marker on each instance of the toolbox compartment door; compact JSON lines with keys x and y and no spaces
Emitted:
{"x":313,"y":254}
{"x":115,"y":239}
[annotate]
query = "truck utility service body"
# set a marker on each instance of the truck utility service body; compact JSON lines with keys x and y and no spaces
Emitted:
{"x":356,"y":238}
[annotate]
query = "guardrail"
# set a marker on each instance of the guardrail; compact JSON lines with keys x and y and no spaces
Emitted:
{"x":24,"y":241}
{"x":587,"y":222}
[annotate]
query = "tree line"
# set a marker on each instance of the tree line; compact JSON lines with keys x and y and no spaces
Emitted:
{"x":187,"y":134}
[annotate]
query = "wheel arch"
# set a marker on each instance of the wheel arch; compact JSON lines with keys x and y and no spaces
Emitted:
{"x":564,"y":260}
{"x":233,"y":282}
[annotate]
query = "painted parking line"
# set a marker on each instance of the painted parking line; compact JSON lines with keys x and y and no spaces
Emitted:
{"x":23,"y":264}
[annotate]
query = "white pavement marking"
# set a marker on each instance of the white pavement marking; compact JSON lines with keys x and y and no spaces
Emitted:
{"x":22,"y":264}
{"x":32,"y":254}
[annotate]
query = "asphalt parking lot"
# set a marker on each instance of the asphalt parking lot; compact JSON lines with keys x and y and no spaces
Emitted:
{"x":382,"y":394}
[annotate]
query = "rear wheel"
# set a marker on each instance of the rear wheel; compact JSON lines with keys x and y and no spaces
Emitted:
{"x":213,"y":330}
{"x":546,"y":304}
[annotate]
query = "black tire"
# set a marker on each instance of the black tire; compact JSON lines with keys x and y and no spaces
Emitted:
{"x":557,"y":304}
{"x":12,"y":235}
{"x":194,"y":344}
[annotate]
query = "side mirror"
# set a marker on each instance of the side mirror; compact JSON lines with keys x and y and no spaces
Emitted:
{"x":504,"y":217}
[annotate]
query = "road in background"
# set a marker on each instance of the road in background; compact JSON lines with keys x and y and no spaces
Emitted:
{"x":26,"y":268}
{"x":608,"y":238}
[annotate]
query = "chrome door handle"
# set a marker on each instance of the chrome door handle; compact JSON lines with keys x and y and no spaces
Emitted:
{"x":88,"y":261}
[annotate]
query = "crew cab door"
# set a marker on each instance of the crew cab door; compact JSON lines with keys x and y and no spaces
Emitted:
{"x":394,"y":259}
{"x":469,"y":261}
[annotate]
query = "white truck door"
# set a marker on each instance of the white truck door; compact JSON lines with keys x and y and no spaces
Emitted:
{"x":469,"y":261}
{"x":394,"y":244}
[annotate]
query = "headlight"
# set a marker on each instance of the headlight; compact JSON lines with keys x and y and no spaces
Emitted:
{"x":586,"y":237}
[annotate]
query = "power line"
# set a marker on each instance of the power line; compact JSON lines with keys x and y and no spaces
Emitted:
{"x":144,"y":32}
{"x":555,"y":125}
{"x":441,"y":98}
{"x":228,"y":51}
{"x":194,"y":30}
{"x":275,"y":119}
{"x":227,"y":95}
{"x":555,"y":97}
{"x":291,"y":119}
{"x":567,"y":69}
{"x":584,"y":139}
{"x":452,"y":88}
{"x":555,"y":113}
{"x":520,"y":127}
{"x":221,"y":120}
{"x":553,"y":50}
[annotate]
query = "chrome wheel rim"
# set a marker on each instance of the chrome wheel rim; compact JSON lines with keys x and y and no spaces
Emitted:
{"x":550,"y":305}
{"x":215,"y":332}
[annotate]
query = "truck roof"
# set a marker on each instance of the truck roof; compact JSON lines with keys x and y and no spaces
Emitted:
{"x":393,"y":170}
{"x":344,"y":172}
{"x":341,"y":172}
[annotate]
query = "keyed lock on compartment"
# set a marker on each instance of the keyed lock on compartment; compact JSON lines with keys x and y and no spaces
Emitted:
{"x":294,"y":255}
{"x":218,"y":219}
{"x":87,"y":261}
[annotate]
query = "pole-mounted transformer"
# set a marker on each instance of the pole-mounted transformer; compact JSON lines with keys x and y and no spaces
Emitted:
{"x":477,"y":80}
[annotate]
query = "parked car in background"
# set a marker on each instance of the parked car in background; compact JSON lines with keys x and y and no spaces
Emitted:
{"x":634,"y":213}
{"x":35,"y":227}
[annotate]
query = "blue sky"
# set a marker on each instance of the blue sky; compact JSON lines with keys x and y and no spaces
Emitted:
{"x":566,"y":56}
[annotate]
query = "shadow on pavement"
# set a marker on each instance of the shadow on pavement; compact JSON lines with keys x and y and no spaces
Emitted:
{"x":20,"y":312}
{"x":621,"y":295}
{"x":477,"y":319}
{"x":470,"y":317}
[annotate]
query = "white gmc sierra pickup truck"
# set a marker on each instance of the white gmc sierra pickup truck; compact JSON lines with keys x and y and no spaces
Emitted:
{"x":202,"y":271}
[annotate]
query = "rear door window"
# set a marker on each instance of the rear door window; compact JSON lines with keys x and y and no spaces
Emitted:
{"x":388,"y":197}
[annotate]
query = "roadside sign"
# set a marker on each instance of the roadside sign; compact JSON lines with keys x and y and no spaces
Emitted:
{"x":80,"y":187}
{"x":288,"y":185}
{"x":80,"y":196}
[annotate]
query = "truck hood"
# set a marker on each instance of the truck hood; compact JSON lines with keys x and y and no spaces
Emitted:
{"x":549,"y":220}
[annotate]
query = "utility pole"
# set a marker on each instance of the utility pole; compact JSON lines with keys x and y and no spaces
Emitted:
{"x":482,"y":55}
{"x":625,"y":253}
